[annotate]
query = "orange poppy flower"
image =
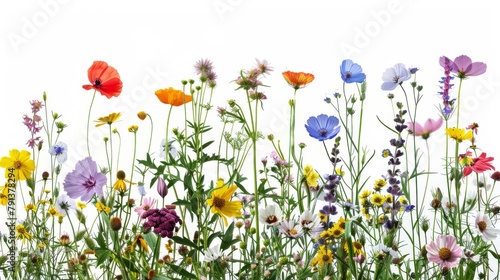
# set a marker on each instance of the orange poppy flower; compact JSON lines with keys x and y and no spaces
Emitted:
{"x":173,"y":96}
{"x":105,"y":79}
{"x":298,"y":79}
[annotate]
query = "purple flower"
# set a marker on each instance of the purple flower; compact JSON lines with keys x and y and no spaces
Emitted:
{"x":464,"y":67}
{"x":394,"y":76}
{"x":161,"y":187}
{"x":351,"y":72}
{"x":163,"y":221}
{"x":323,"y":127}
{"x":84,"y":181}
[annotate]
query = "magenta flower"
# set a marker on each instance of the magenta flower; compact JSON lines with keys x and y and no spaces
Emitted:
{"x":444,"y":251}
{"x":163,"y":221}
{"x":425,"y":131}
{"x":84,"y":181}
{"x":464,"y":67}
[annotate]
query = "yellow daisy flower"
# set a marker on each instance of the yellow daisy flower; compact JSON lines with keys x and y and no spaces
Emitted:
{"x":378,"y":199}
{"x":459,"y":134}
{"x":220,"y":204}
{"x":109,"y":119}
{"x":30,"y":206}
{"x":19,"y":163}
{"x":22,"y":233}
{"x":4,"y":195}
{"x":379,"y":184}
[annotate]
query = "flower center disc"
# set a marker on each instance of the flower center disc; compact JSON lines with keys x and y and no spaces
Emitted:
{"x":218,"y":202}
{"x":482,"y":226}
{"x":444,"y":254}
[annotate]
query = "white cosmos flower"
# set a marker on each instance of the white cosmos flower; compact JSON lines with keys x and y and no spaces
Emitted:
{"x":311,"y":223}
{"x":213,"y":253}
{"x":485,"y":228}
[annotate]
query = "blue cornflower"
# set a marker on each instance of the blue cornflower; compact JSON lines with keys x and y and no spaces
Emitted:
{"x":351,"y":72}
{"x":60,"y":151}
{"x":323,"y":127}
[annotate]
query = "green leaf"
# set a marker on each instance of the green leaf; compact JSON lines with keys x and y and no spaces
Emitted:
{"x":181,"y":271}
{"x":102,"y":255}
{"x":185,"y":241}
{"x":150,"y":238}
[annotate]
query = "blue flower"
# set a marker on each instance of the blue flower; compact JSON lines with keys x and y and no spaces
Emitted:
{"x":60,"y":151}
{"x":323,"y":127}
{"x":351,"y":72}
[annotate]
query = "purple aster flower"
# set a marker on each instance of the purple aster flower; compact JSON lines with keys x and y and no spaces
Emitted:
{"x":351,"y":72}
{"x":323,"y":127}
{"x":60,"y":151}
{"x":394,"y":76}
{"x":84,"y":181}
{"x":203,"y":66}
{"x":163,"y":221}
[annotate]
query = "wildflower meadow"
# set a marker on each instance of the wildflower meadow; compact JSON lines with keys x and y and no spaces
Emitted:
{"x":198,"y":190}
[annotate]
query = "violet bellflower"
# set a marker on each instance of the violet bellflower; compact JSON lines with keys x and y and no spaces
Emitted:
{"x":323,"y":127}
{"x":394,"y":76}
{"x":84,"y":181}
{"x":351,"y":72}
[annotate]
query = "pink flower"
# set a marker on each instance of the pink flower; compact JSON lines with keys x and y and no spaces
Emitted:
{"x":147,"y":204}
{"x":464,"y":67}
{"x":485,"y":228}
{"x":425,"y":131}
{"x":444,"y":251}
{"x":478,"y":165}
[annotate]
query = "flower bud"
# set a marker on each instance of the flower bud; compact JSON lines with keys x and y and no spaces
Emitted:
{"x":161,"y":187}
{"x":115,"y":223}
{"x":142,"y":115}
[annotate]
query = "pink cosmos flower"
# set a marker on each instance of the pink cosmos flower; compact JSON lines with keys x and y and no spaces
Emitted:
{"x":425,"y":131}
{"x":485,"y":228}
{"x":444,"y":251}
{"x":478,"y":165}
{"x":464,"y":67}
{"x":147,"y":204}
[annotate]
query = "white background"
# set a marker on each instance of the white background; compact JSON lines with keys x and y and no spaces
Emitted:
{"x":48,"y":45}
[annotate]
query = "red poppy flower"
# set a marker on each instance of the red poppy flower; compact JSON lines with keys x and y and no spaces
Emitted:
{"x":479,"y":164}
{"x":298,"y":79}
{"x":173,"y":96}
{"x":105,"y":79}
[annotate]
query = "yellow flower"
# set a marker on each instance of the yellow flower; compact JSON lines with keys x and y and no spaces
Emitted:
{"x":139,"y":240}
{"x":109,"y":119}
{"x":133,"y":128}
{"x":357,"y":248}
{"x":337,"y":231}
{"x":459,"y":134}
{"x":365,"y":194}
{"x":366,"y":212}
{"x":18,"y":163}
{"x":322,"y":217}
{"x":220,"y":204}
{"x":101,"y":207}
{"x":311,"y":176}
{"x":31,"y":207}
{"x":120,"y":185}
{"x":379,"y":184}
{"x":340,"y":172}
{"x":22,"y":233}
{"x":378,"y":199}
{"x":81,"y":205}
{"x":53,"y":211}
{"x":4,"y":195}
{"x":323,"y":257}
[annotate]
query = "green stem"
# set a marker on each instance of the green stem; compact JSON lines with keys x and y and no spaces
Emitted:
{"x":88,"y":121}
